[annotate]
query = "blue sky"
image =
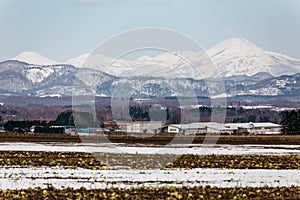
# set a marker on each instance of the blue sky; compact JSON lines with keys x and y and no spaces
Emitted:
{"x":62,"y":29}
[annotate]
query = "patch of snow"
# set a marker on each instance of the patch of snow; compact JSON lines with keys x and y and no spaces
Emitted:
{"x":218,"y":96}
{"x":59,"y":177}
{"x":101,"y":95}
{"x":51,"y":95}
{"x":177,"y":149}
{"x":37,"y":74}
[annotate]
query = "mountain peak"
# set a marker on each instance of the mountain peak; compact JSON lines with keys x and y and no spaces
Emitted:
{"x":34,"y":58}
{"x":234,"y":47}
{"x":238,"y":56}
{"x":238,"y":40}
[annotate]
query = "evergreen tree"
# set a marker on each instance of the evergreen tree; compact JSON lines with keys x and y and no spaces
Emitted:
{"x":291,"y":122}
{"x":65,"y":118}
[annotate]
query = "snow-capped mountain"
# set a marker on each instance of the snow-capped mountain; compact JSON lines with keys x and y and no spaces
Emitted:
{"x":20,"y":78}
{"x":238,"y":56}
{"x":170,"y":64}
{"x":245,"y":68}
{"x":34,"y":58}
{"x":232,"y":57}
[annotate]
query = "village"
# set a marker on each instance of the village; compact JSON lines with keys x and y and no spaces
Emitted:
{"x":196,"y":128}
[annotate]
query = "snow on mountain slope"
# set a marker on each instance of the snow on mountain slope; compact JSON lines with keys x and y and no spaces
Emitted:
{"x":168,"y":64}
{"x":87,"y":59}
{"x":235,"y":47}
{"x":235,"y":56}
{"x":238,"y":56}
{"x":20,"y":78}
{"x":37,"y":74}
{"x":34,"y":58}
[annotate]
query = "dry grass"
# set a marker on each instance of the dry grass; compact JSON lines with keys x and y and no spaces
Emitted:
{"x":167,"y":192}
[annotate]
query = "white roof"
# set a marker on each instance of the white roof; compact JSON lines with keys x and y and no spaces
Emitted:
{"x":188,"y":126}
{"x":203,"y":125}
{"x":255,"y":125}
{"x":224,"y":127}
{"x":138,"y":122}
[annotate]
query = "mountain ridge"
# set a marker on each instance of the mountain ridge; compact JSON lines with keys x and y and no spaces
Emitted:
{"x":233,"y":56}
{"x":22,"y":79}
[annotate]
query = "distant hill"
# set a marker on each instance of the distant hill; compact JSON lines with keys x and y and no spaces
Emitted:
{"x":22,"y":79}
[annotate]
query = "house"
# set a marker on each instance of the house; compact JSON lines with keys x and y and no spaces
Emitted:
{"x":70,"y":130}
{"x":256,"y":128}
{"x":110,"y":125}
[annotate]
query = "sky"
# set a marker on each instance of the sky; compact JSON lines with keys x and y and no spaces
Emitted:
{"x":62,"y":29}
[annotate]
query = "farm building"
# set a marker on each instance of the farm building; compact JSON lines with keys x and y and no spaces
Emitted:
{"x":256,"y":128}
{"x":198,"y":128}
{"x":133,"y":127}
{"x":217,"y":128}
{"x":143,"y":127}
{"x":184,"y":129}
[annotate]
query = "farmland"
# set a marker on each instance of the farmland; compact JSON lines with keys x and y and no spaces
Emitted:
{"x":119,"y":166}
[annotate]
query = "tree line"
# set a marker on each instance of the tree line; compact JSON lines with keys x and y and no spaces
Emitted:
{"x":290,"y":120}
{"x":41,"y":126}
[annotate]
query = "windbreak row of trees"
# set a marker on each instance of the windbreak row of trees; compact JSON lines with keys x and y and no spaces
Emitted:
{"x":291,"y":122}
{"x":63,"y":119}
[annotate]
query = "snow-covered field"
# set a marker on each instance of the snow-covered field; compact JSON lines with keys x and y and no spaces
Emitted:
{"x":22,"y":178}
{"x":142,"y":149}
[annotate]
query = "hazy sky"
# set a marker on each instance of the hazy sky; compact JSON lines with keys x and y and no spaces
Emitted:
{"x":62,"y":29}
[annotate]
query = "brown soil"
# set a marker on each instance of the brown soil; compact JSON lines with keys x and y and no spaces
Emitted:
{"x":147,"y":161}
{"x":157,"y":139}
